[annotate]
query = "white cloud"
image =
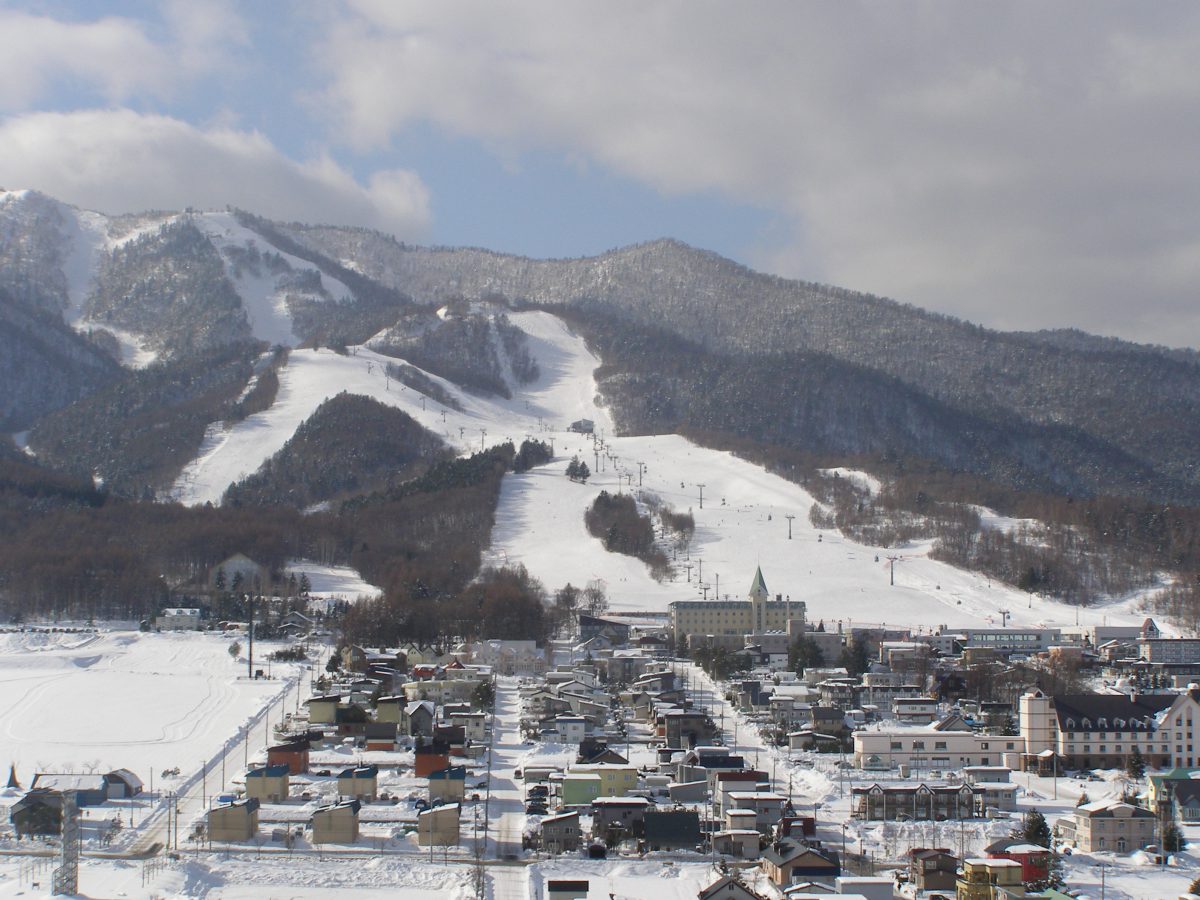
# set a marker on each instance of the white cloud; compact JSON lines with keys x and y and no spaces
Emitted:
{"x":111,"y":56}
{"x":119,"y":161}
{"x":1024,"y":165}
{"x":116,"y":59}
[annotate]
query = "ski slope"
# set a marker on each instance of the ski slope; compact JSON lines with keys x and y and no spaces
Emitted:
{"x":564,"y":391}
{"x":539,"y":522}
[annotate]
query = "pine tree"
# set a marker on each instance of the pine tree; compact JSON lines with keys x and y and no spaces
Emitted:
{"x":584,"y":472}
{"x":573,"y":468}
{"x":1033,"y":829}
{"x":1173,"y":840}
{"x":1136,"y":766}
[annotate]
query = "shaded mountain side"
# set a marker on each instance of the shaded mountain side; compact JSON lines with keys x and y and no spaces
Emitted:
{"x":138,"y":433}
{"x":1143,"y":400}
{"x":350,"y":445}
{"x":658,"y":382}
{"x":171,"y":286}
{"x":44,"y":365}
{"x":375,"y":306}
{"x":478,"y":350}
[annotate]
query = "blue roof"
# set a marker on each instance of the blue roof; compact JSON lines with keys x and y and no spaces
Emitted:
{"x":268,"y":771}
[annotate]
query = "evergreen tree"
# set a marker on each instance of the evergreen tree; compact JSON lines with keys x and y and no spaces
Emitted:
{"x":1033,"y":829}
{"x":584,"y":472}
{"x":1136,"y":766}
{"x":1173,"y":840}
{"x":573,"y":468}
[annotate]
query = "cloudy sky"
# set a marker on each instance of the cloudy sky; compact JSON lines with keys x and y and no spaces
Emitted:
{"x":1023,"y":165}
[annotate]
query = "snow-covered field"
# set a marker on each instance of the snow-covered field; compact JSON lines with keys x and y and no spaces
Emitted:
{"x":109,"y":700}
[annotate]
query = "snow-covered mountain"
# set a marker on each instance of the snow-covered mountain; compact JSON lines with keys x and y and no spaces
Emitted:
{"x":733,"y":351}
{"x":172,"y":354}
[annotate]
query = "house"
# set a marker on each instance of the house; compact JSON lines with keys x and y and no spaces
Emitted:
{"x":359,"y":783}
{"x":729,"y":887}
{"x":768,"y":807}
{"x":237,"y":821}
{"x":579,"y":789}
{"x":269,"y":783}
{"x":561,"y":833}
{"x":1110,"y":825}
{"x":1034,"y":860}
{"x":582,"y":426}
{"x":439,"y":826}
{"x":571,"y":729}
{"x":786,"y":861}
{"x":473,"y":724}
{"x":448,"y":785}
{"x":932,"y":869}
{"x":380,"y":736}
{"x":178,"y":619}
{"x":671,"y":829}
{"x":336,"y":824}
{"x":989,"y":879}
{"x":323,"y":710}
{"x":89,"y":790}
{"x":915,"y":710}
{"x":740,"y":843}
{"x":38,"y":813}
{"x":293,"y":754}
{"x":626,"y":813}
{"x":429,"y":756}
{"x":615,"y":780}
{"x":420,"y":716}
{"x":392,"y":709}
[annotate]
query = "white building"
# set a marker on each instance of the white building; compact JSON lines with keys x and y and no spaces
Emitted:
{"x":928,"y":748}
{"x":178,"y":619}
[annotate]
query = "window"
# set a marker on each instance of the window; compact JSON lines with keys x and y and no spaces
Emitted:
{"x":896,"y":745}
{"x":920,"y":745}
{"x":939,"y":745}
{"x":983,"y":745}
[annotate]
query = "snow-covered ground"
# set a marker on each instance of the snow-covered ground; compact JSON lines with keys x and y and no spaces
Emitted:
{"x":107,"y":700}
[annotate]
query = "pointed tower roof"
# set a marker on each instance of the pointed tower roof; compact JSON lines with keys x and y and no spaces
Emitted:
{"x":758,"y":589}
{"x":12,"y":777}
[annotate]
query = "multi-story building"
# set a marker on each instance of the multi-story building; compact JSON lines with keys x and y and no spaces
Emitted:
{"x":1102,"y":730}
{"x":990,"y":879}
{"x":1109,"y":825}
{"x":728,"y":621}
{"x":921,"y":748}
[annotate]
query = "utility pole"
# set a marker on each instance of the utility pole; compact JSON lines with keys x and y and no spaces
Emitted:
{"x":482,"y":436}
{"x":701,"y":495}
{"x":250,"y":658}
{"x":789,"y":517}
{"x":641,"y":471}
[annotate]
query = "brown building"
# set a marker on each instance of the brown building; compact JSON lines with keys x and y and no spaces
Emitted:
{"x":236,"y":821}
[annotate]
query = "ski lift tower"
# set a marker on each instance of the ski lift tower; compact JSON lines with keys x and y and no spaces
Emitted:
{"x":66,"y":876}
